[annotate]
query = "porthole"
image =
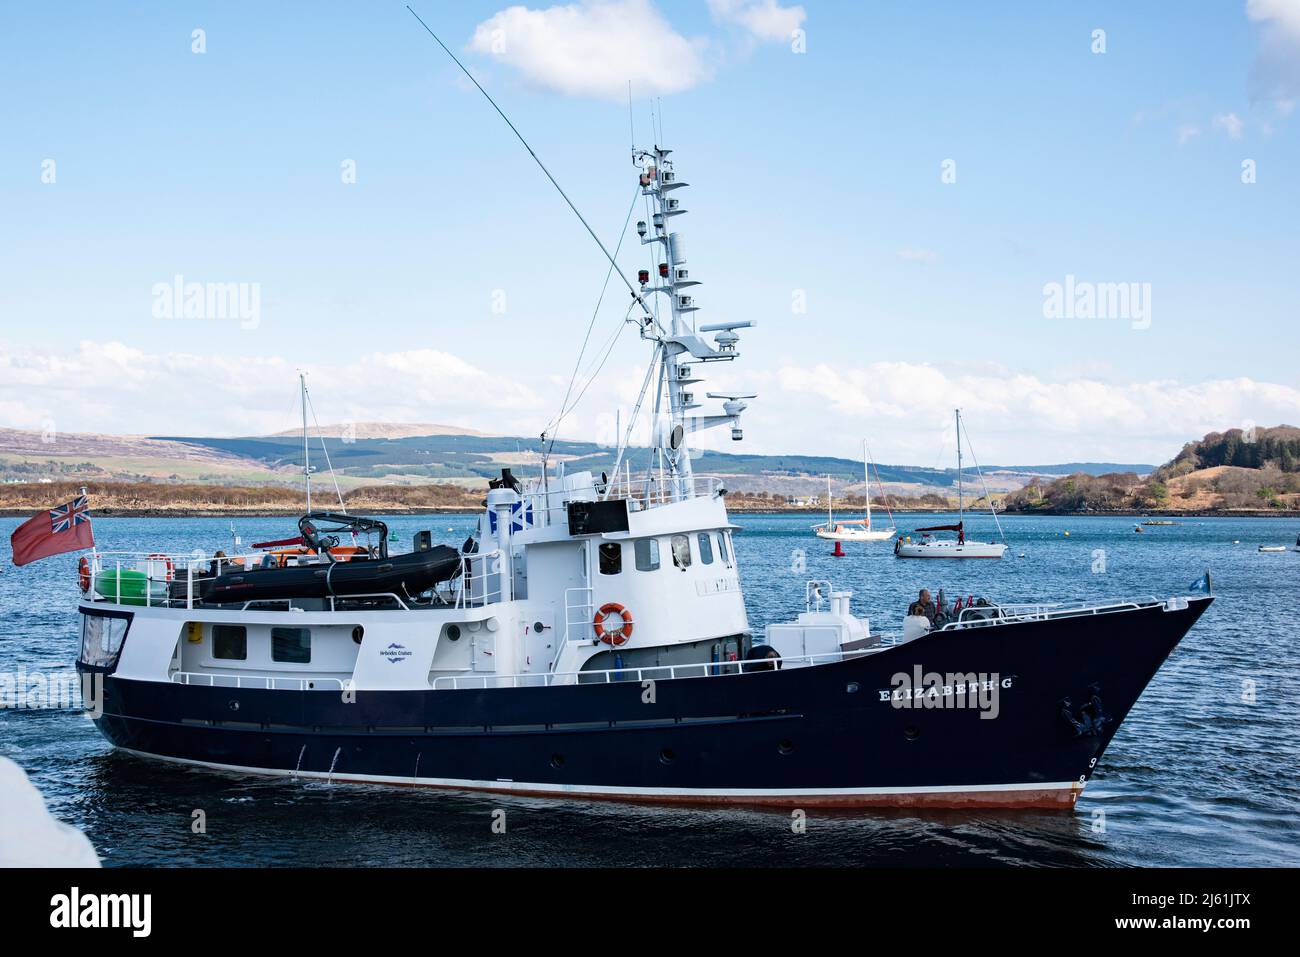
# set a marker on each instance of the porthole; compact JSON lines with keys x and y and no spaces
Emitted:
{"x":666,"y":756}
{"x":557,"y":760}
{"x":785,"y":746}
{"x":851,"y":688}
{"x":911,"y":732}
{"x":453,"y":632}
{"x":358,"y":633}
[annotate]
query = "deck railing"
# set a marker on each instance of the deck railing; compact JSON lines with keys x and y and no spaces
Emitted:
{"x":217,"y":679}
{"x":700,"y":669}
{"x":161,"y":580}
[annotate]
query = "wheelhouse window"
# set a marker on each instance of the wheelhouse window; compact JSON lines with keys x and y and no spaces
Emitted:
{"x":723,"y":550}
{"x":611,"y":558}
{"x":230,"y":642}
{"x":681,"y":551}
{"x":101,"y":639}
{"x":647,"y":554}
{"x":291,"y":645}
{"x":706,"y":549}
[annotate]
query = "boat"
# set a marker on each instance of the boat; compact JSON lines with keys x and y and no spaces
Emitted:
{"x":1160,"y":521}
{"x":854,"y":530}
{"x":593,"y":642}
{"x":321,"y":571}
{"x":1272,"y":548}
{"x":929,"y":547}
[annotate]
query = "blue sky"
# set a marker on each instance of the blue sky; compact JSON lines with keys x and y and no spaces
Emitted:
{"x":816,"y":177}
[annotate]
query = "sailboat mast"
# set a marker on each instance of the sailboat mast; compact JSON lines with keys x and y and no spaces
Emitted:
{"x":866,"y":483}
{"x":306,"y":448}
{"x":830,"y":519}
{"x":960,"y":502}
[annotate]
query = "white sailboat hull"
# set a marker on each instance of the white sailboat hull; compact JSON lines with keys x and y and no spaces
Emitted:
{"x":945,"y":549}
{"x":842,"y":534}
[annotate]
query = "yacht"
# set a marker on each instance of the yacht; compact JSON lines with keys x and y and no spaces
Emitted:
{"x":854,"y":530}
{"x":591,"y":639}
{"x":929,"y":547}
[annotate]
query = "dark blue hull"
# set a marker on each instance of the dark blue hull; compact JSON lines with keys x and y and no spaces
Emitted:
{"x":823,"y":735}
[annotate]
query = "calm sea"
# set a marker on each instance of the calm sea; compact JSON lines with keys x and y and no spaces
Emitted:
{"x":1202,"y":773}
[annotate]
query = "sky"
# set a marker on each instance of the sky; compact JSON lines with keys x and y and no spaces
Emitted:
{"x":893,"y":192}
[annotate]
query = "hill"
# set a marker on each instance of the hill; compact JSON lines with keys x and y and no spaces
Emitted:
{"x":1229,"y":471}
{"x":372,"y":454}
{"x":377,"y":430}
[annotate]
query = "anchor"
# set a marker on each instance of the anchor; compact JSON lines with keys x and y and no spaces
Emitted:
{"x":1089,"y":719}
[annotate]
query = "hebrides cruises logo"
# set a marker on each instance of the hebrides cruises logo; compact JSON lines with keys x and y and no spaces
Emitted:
{"x":395,"y":653}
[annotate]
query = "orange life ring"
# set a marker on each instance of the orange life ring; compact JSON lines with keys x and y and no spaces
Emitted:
{"x":614,"y":636}
{"x":83,"y":574}
{"x":171,"y":566}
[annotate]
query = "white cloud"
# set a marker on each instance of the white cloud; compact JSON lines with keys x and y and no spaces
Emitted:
{"x":1283,"y":14}
{"x":1275,"y":74}
{"x":765,"y":19}
{"x":904,"y":408}
{"x":1186,"y":133}
{"x":594,"y":48}
{"x":110,"y":387}
{"x":910,"y":255}
{"x":1230,"y":123}
{"x":1015,"y":418}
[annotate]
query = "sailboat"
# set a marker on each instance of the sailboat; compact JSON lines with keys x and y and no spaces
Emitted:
{"x":929,"y":547}
{"x":858,"y":529}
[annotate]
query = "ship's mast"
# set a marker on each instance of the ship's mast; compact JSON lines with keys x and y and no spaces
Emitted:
{"x":680,"y":344}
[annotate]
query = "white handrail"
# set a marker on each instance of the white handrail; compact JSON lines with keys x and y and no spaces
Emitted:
{"x":705,"y":669}
{"x":267,"y":682}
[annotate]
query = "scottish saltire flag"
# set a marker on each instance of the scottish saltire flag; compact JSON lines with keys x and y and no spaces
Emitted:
{"x":1201,"y":584}
{"x":521,"y":517}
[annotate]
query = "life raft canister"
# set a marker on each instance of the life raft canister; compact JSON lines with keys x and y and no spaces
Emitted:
{"x":613,"y":636}
{"x":83,"y":574}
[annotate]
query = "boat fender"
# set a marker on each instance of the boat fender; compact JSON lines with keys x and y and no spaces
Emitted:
{"x":614,"y":636}
{"x":83,"y":574}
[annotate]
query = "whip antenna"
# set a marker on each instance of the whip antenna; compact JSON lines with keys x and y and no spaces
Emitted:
{"x":635,"y":295}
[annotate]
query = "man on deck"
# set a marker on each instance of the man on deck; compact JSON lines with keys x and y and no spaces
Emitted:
{"x":923,"y":606}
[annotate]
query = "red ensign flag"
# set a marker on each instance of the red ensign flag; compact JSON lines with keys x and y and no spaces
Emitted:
{"x":62,"y":529}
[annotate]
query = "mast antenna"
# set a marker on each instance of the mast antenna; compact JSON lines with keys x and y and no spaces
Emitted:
{"x":632,"y":289}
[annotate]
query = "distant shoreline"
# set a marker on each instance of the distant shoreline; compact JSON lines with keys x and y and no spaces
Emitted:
{"x":808,"y":512}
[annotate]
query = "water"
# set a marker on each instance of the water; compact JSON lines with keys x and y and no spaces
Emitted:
{"x":1196,"y":775}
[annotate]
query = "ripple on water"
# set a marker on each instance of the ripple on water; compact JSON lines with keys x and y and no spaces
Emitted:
{"x":1202,"y":773}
